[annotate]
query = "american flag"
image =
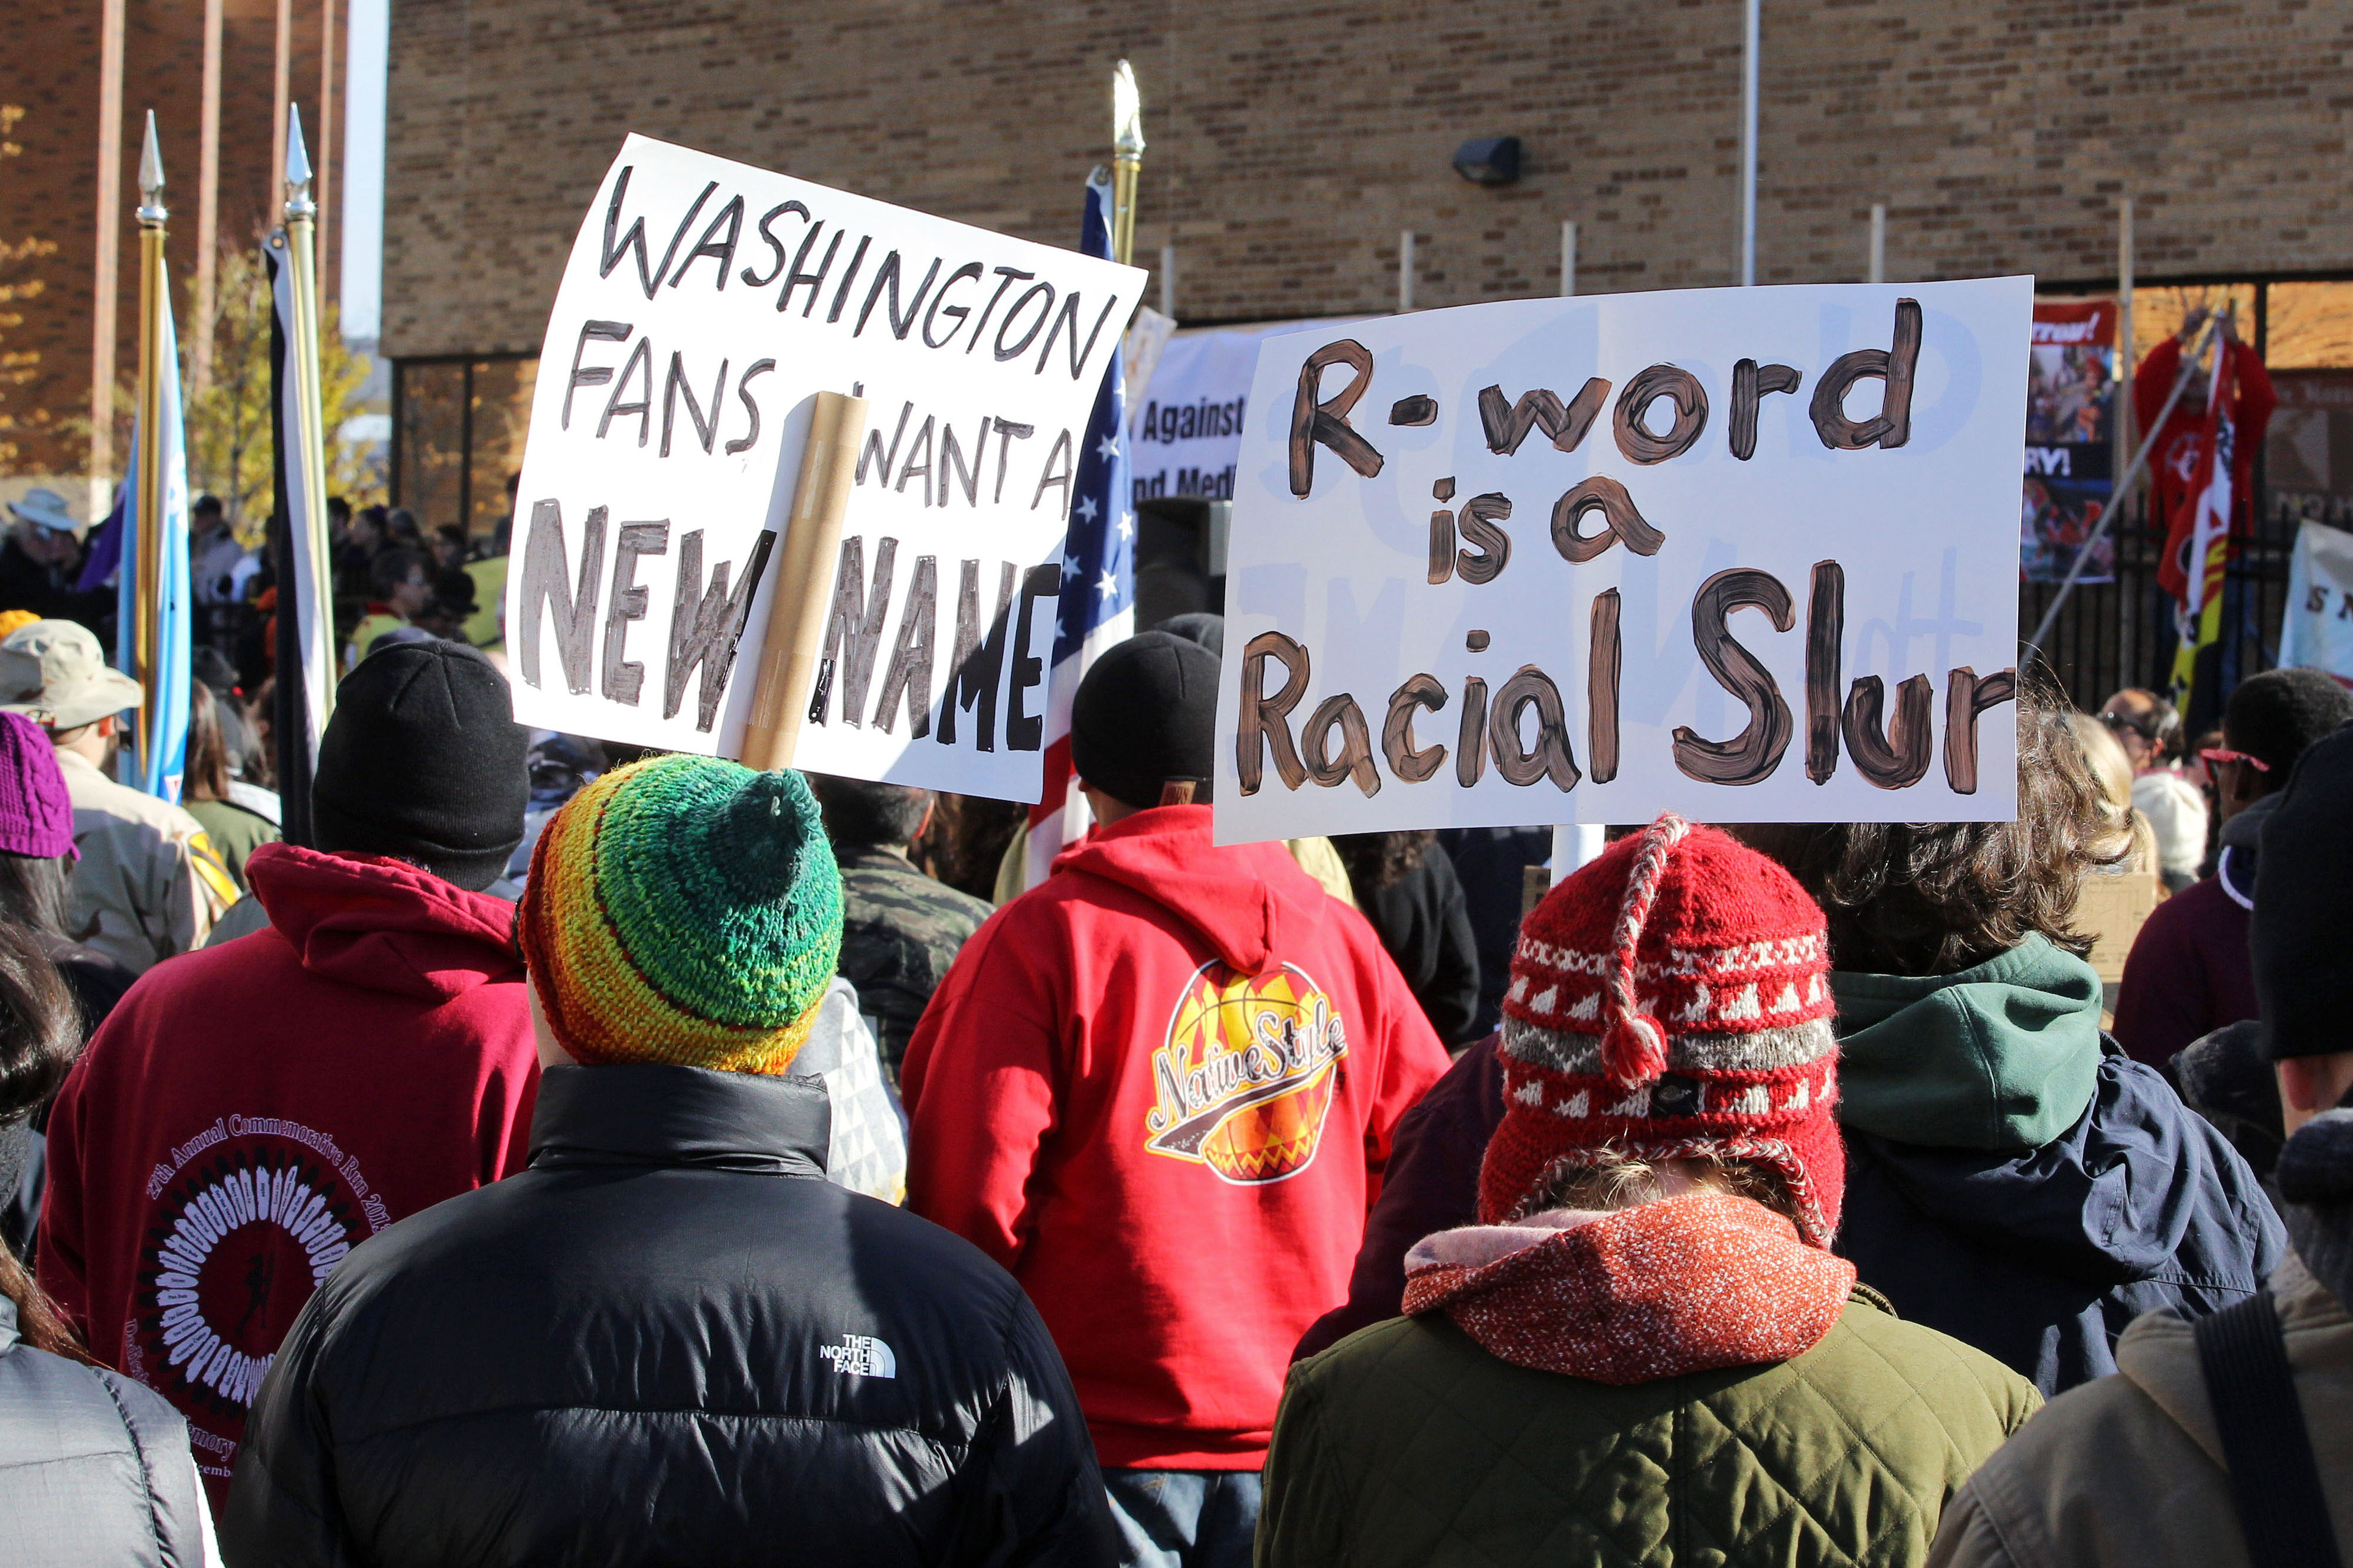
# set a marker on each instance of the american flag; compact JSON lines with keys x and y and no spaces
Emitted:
{"x":1098,"y":602}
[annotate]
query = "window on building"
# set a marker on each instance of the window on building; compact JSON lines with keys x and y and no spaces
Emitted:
{"x":458,"y":438}
{"x":2309,"y":326}
{"x":2158,"y":312}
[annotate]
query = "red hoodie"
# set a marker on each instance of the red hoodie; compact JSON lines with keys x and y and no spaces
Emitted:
{"x":1160,"y":1091}
{"x":250,"y":1112}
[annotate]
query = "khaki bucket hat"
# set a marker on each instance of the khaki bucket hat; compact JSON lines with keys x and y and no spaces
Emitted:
{"x":54,"y":673}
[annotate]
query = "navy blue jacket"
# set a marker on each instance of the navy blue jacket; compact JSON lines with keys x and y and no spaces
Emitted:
{"x":2041,"y":1257}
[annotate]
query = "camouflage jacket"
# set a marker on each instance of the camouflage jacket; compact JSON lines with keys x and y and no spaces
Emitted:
{"x":900,"y":931}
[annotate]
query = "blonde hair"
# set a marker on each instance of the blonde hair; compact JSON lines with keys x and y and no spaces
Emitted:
{"x":2129,"y":837}
{"x":1609,"y":1179}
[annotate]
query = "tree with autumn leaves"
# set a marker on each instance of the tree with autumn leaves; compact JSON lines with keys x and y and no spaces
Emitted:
{"x":20,"y":283}
{"x":228,"y":421}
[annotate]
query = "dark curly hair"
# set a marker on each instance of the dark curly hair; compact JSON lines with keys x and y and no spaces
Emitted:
{"x":1935,"y":897}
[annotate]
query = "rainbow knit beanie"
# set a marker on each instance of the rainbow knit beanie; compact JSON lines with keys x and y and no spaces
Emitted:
{"x":687,"y":911}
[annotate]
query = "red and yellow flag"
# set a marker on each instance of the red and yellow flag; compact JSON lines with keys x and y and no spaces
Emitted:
{"x":2197,"y":535}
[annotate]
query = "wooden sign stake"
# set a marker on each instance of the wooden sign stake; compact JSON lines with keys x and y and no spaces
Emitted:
{"x":788,"y":656}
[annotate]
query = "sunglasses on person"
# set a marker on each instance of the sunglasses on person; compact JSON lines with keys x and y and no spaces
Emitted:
{"x":2223,"y":754}
{"x":2120,"y":722}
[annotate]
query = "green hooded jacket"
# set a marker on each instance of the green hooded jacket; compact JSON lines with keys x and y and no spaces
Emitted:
{"x":2003,"y":1055}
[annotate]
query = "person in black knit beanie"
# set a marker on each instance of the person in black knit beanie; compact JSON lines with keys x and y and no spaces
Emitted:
{"x":423,"y":762}
{"x":369,"y":1052}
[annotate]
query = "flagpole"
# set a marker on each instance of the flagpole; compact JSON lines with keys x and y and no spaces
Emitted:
{"x":1126,"y":160}
{"x":104,"y":281}
{"x":310,"y":453}
{"x":148,"y":488}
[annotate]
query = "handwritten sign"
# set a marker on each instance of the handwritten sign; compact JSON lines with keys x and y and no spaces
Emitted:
{"x":704,"y":305}
{"x":1748,"y":555}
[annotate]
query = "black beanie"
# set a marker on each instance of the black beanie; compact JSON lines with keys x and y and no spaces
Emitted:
{"x":2303,"y":907}
{"x":1204,"y":626}
{"x":1145,"y":715}
{"x":423,"y":761}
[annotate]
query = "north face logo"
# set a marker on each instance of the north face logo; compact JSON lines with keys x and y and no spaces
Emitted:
{"x":863,"y":1354}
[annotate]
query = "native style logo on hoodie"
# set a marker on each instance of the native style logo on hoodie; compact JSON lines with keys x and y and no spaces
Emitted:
{"x":250,"y":1215}
{"x":1245,"y":1080}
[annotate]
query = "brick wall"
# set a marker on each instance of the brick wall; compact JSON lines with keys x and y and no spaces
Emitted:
{"x":1289,"y":144}
{"x":49,"y":191}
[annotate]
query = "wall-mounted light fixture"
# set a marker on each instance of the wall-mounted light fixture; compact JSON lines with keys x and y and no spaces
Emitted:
{"x":1489,"y":161}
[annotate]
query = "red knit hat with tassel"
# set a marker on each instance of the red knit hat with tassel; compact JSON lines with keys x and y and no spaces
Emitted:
{"x":1671,"y":1000}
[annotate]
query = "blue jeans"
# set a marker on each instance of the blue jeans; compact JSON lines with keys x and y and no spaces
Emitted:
{"x":1184,"y":1518}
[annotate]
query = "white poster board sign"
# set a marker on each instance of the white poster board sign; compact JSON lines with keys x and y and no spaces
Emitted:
{"x":1748,"y":555}
{"x":2316,"y":623}
{"x":705,"y":303}
{"x":1186,"y":430}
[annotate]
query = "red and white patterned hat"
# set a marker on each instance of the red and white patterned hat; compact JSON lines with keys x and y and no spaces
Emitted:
{"x":1671,"y":1000}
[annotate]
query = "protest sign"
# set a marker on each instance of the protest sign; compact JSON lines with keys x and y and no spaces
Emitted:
{"x":1748,"y":555}
{"x":2317,"y":623}
{"x":704,"y":306}
{"x":2071,"y":395}
{"x":1187,"y":426}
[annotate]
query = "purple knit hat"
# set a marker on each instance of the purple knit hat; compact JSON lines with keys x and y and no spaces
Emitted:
{"x":36,"y":812}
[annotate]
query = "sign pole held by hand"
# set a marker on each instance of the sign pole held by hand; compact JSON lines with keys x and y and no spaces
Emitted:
{"x":788,"y":656}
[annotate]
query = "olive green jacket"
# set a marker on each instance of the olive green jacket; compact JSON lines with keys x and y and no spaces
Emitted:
{"x":1408,"y":1444}
{"x":2127,"y":1472}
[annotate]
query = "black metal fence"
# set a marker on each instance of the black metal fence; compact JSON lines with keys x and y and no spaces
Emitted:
{"x":2121,"y":633}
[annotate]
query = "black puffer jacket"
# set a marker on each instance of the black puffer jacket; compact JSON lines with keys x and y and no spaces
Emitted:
{"x":669,"y":1341}
{"x":93,"y":1469}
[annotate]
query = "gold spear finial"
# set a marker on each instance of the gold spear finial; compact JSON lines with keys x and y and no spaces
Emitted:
{"x":298,"y":203}
{"x":1127,"y":158}
{"x":1127,"y":112}
{"x":151,"y":177}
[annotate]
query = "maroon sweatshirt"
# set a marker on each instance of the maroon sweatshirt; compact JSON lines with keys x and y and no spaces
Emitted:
{"x":250,"y":1112}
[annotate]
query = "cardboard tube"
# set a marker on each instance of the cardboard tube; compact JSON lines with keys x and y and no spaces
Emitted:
{"x":788,"y":654}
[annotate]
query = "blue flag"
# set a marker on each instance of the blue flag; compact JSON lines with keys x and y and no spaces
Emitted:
{"x":159,"y":772}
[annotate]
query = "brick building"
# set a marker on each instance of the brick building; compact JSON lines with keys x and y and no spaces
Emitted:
{"x":1291,"y":144}
{"x":48,"y":191}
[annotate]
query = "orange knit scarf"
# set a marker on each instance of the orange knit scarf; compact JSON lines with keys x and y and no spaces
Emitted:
{"x":1684,"y":1284}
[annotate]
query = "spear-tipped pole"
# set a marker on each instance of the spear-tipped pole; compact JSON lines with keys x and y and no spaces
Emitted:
{"x":148,"y":482}
{"x":306,"y":462}
{"x":1126,"y":159}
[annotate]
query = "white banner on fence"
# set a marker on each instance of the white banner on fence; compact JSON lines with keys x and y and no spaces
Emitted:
{"x":705,"y":303}
{"x":2317,"y":627}
{"x":1749,"y":554}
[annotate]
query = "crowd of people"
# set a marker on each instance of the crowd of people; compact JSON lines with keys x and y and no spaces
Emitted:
{"x":573,"y":1154}
{"x":391,"y":579}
